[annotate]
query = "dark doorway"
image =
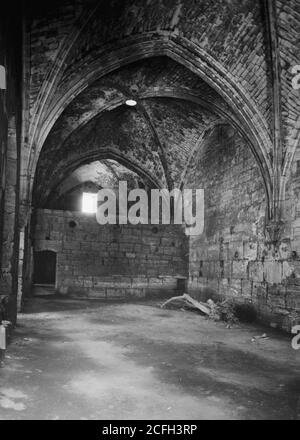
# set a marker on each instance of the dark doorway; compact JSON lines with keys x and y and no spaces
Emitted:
{"x":44,"y":267}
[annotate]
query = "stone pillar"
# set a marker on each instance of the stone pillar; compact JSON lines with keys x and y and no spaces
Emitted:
{"x":9,"y":263}
{"x":20,"y":269}
{"x":25,"y":267}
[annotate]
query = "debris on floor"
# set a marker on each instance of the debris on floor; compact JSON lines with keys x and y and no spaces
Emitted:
{"x":187,"y":301}
{"x":256,"y":338}
{"x":148,"y":362}
{"x":221,"y":311}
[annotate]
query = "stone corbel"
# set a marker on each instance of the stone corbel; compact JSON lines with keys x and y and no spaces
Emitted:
{"x":274,"y":231}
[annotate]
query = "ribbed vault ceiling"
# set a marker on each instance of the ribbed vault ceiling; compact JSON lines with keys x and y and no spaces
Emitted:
{"x":156,"y":139}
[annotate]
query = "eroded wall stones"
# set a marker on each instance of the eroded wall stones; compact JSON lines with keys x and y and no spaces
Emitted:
{"x":191,"y":65}
{"x":233,"y":258}
{"x":10,"y":146}
{"x":112,"y":261}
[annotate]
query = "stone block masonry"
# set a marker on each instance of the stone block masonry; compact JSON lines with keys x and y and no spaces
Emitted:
{"x":234,"y":257}
{"x":216,"y":110}
{"x":10,"y":153}
{"x":111,"y":261}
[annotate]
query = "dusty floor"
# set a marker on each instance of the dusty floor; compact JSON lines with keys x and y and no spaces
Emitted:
{"x":80,"y":360}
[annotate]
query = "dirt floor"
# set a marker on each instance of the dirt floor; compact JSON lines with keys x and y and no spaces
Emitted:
{"x":89,"y":360}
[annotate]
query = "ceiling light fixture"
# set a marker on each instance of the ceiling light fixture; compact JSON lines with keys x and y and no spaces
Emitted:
{"x":130,"y":102}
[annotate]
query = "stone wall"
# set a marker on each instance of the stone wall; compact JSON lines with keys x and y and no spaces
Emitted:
{"x":10,"y":152}
{"x":112,"y":261}
{"x":233,"y":257}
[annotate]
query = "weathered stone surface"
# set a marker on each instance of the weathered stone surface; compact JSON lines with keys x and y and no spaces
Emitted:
{"x":215,"y":109}
{"x":234,"y":248}
{"x":103,"y":261}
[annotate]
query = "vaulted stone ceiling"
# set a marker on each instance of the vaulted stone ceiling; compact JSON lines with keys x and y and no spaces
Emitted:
{"x":104,"y":174}
{"x":156,"y":139}
{"x":90,"y":178}
{"x":84,"y":57}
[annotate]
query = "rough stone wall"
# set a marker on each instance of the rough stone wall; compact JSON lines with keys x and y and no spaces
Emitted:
{"x":233,"y":258}
{"x":76,"y":44}
{"x":112,"y":261}
{"x":10,"y":131}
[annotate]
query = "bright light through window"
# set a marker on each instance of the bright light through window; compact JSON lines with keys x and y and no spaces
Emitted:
{"x":89,"y":203}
